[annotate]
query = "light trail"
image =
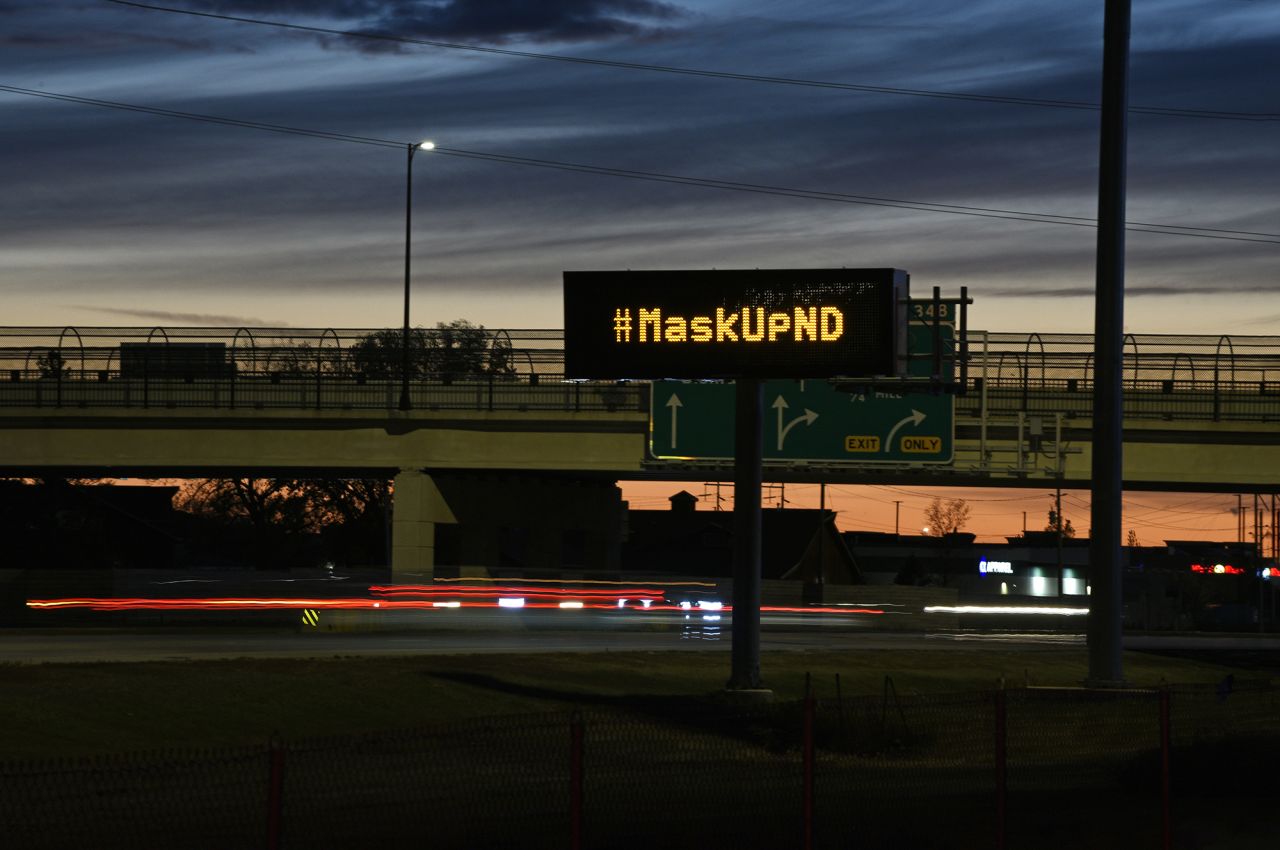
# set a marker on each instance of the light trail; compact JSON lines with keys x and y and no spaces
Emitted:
{"x":496,"y":600}
{"x":629,"y":597}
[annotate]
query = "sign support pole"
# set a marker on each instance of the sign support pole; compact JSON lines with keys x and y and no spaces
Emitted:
{"x":748,"y":478}
{"x":1106,"y":564}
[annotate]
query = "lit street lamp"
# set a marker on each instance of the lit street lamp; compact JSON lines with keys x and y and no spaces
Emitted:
{"x":408,"y":217}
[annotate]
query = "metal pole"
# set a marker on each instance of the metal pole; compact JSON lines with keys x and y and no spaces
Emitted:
{"x":1257,"y":525}
{"x":982,"y":404}
{"x":1105,"y":606}
{"x":822,"y":530}
{"x":1058,"y":500}
{"x":1239,"y":517}
{"x":575,"y":781}
{"x":748,"y":464}
{"x":275,"y":794}
{"x":408,"y":218}
{"x":897,"y":514}
{"x":1166,"y":820}
{"x":1002,"y":768}
{"x":1274,"y":541}
{"x":807,"y":768}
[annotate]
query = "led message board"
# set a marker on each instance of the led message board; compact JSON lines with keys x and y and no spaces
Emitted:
{"x":755,"y":323}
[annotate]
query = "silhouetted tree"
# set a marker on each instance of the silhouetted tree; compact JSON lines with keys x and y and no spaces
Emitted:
{"x":52,"y":364}
{"x":261,"y":502}
{"x":272,"y":516}
{"x":299,"y":359}
{"x":451,"y":351}
{"x":378,"y":355}
{"x":946,"y":517}
{"x":1060,"y":525}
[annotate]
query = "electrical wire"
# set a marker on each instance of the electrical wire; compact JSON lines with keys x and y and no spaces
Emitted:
{"x":1171,"y":112}
{"x":208,"y":119}
{"x":675,"y":179}
{"x":848,"y":492}
{"x":872,"y":200}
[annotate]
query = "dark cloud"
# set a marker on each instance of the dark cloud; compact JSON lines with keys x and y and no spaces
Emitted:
{"x":187,"y":319}
{"x":177,"y":214}
{"x":500,"y":21}
{"x":104,"y":40}
{"x":344,"y":9}
{"x":1142,"y":291}
{"x":480,"y":21}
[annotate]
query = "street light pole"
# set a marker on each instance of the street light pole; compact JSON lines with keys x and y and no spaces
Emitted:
{"x":408,"y":219}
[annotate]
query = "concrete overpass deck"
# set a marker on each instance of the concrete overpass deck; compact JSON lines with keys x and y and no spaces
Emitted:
{"x":1004,"y":435}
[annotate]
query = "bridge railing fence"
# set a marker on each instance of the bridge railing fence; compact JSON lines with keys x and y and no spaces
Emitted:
{"x":1170,"y":376}
{"x":1031,"y":359}
{"x":1143,"y":399}
{"x":263,"y":368}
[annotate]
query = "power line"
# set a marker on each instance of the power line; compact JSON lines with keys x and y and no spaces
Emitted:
{"x":658,"y":177}
{"x":208,"y":119}
{"x":1171,"y":112}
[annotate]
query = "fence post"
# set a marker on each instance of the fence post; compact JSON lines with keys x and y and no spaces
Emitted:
{"x":1001,"y":767}
{"x":1166,"y":821}
{"x":844,"y":725}
{"x":809,"y":712}
{"x":275,"y":793}
{"x":575,"y":781}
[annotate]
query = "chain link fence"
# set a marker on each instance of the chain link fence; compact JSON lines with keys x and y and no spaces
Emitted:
{"x":1027,"y":767}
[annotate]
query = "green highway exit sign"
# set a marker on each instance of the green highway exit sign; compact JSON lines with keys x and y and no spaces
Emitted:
{"x":805,"y":421}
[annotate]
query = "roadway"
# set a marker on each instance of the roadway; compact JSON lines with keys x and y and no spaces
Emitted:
{"x":41,"y":646}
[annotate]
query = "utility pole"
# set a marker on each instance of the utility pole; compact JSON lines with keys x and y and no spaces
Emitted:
{"x":1058,"y":513}
{"x":1239,"y":517}
{"x":1275,"y":543}
{"x":1257,"y":525}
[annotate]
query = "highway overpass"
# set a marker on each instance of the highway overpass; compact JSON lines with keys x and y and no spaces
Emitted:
{"x":1201,"y":414}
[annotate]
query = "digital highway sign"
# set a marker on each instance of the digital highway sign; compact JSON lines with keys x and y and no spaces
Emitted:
{"x":752,"y":323}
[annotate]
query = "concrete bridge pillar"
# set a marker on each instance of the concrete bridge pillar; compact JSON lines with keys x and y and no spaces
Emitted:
{"x":416,"y":506}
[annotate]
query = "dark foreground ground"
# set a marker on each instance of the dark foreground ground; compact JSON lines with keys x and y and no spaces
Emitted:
{"x":638,"y":749}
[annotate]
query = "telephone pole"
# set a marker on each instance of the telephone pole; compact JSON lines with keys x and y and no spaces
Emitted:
{"x":1057,"y":498}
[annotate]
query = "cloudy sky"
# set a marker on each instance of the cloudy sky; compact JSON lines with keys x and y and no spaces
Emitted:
{"x":112,"y":217}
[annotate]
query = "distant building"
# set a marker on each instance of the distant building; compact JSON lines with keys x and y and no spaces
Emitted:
{"x":60,"y":526}
{"x":800,"y":545}
{"x":1183,"y":584}
{"x":527,"y":524}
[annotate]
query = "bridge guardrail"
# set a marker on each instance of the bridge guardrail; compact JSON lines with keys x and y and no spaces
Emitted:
{"x":465,"y":367}
{"x":1145,"y":399}
{"x":269,"y":392}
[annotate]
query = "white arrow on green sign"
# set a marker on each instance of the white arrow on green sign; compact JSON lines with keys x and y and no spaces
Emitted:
{"x":691,"y":420}
{"x":780,"y":404}
{"x":695,"y":421}
{"x":675,"y":404}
